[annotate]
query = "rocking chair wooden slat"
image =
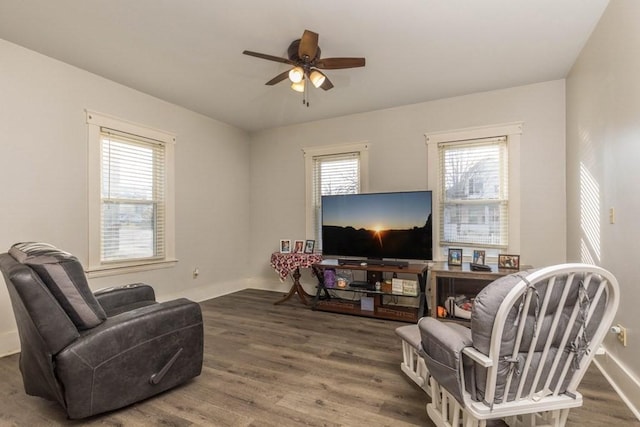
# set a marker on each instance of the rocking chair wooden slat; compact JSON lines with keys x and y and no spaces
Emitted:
{"x":533,"y":336}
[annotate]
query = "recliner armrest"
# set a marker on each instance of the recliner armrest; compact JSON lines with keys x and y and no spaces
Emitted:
{"x":123,"y":331}
{"x":117,"y":300}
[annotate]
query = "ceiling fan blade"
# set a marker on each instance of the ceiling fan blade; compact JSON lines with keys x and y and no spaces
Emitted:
{"x":326,"y":85}
{"x":277,"y":79}
{"x":269,"y":57}
{"x":308,"y":45}
{"x":337,"y":63}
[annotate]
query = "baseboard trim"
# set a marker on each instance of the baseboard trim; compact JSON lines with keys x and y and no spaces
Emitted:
{"x":271,"y":285}
{"x":205,"y":292}
{"x":9,"y":343}
{"x":622,"y":380}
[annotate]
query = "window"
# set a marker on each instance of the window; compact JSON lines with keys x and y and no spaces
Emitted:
{"x":475,"y":175}
{"x":332,"y":170}
{"x":474,"y":207}
{"x":131,"y":211}
{"x":132,"y":197}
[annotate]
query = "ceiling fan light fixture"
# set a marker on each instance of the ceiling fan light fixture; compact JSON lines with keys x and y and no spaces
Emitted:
{"x":296,"y":74}
{"x":298,"y":86}
{"x":317,"y":78}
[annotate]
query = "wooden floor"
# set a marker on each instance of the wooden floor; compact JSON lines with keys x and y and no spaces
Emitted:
{"x":286,"y":365}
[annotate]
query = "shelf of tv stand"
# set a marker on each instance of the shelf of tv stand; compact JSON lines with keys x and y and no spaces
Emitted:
{"x":442,"y":272}
{"x":418,"y":269}
{"x":323,"y":300}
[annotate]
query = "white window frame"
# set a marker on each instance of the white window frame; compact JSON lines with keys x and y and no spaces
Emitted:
{"x":513,"y":132}
{"x":96,"y":267}
{"x":328,"y":150}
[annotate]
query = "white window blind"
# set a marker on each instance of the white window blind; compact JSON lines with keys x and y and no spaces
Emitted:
{"x":133,"y":213}
{"x":474,"y":208}
{"x":333,"y":174}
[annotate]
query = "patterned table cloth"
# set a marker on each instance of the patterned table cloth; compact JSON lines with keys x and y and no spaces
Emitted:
{"x":287,"y":263}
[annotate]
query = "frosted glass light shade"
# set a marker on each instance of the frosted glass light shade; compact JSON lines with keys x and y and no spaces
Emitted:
{"x":317,"y":78}
{"x":296,"y":74}
{"x":298,"y":87}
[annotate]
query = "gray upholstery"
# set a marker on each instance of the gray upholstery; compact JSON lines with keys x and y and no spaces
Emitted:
{"x":442,"y":342}
{"x":63,"y":275}
{"x":485,"y":307}
{"x":116,"y":362}
{"x":442,"y":346}
{"x":125,"y":298}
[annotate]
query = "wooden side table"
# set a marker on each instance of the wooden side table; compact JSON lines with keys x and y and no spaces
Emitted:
{"x":444,"y":270}
{"x":290,"y":263}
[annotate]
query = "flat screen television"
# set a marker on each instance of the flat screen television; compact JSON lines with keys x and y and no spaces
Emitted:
{"x":378,"y":226}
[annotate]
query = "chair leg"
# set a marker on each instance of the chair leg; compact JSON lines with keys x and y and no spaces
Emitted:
{"x":557,"y":418}
{"x":414,"y":366}
{"x":445,"y":411}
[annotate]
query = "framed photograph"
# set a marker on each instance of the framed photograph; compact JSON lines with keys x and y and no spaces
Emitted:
{"x":455,"y":257}
{"x":478,"y":257}
{"x":309,"y":246}
{"x":285,"y":246}
{"x":298,"y":246}
{"x":509,"y":261}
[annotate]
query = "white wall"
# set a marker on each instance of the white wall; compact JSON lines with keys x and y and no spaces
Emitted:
{"x":398,"y":161}
{"x":43,"y":170}
{"x":603,"y":159}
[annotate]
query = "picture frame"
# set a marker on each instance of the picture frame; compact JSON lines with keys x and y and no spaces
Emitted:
{"x":309,"y":246}
{"x":455,"y":257}
{"x":285,"y":246}
{"x":478,"y":257}
{"x":298,"y":246}
{"x":508,"y":261}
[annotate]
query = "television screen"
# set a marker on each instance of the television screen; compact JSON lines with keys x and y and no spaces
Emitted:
{"x":378,"y":225}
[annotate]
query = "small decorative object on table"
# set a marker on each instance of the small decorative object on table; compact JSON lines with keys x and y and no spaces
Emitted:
{"x":455,"y":257}
{"x":329,"y":278}
{"x":509,"y":261}
{"x":478,"y":257}
{"x":309,"y":246}
{"x":341,"y":282}
{"x":298,"y":247}
{"x":459,"y":306}
{"x":285,"y":246}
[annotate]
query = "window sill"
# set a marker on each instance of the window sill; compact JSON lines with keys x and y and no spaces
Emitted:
{"x":115,"y":269}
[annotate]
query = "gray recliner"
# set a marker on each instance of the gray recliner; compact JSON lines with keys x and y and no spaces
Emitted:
{"x":94,"y":353}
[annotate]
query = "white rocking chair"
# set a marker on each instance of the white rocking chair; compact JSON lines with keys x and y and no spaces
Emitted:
{"x":533,"y":335}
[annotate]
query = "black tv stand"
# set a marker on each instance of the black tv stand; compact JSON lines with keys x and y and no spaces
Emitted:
{"x":379,"y":262}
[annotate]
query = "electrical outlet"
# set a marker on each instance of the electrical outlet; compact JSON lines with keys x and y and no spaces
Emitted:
{"x":622,"y":334}
{"x":612,"y":216}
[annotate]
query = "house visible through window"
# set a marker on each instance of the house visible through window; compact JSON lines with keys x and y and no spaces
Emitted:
{"x":475,"y":177}
{"x":332,"y":170}
{"x":130,"y":195}
{"x":474,"y":198}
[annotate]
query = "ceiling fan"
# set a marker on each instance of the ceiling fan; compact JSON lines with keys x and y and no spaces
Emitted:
{"x":304,"y":55}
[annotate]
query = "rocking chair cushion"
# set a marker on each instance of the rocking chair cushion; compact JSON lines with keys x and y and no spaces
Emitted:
{"x":442,"y":345}
{"x":483,"y":314}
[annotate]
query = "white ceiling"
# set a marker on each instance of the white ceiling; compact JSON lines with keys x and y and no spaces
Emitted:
{"x":189,"y":52}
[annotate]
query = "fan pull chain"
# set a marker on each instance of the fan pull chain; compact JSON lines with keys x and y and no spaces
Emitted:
{"x":305,"y":93}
